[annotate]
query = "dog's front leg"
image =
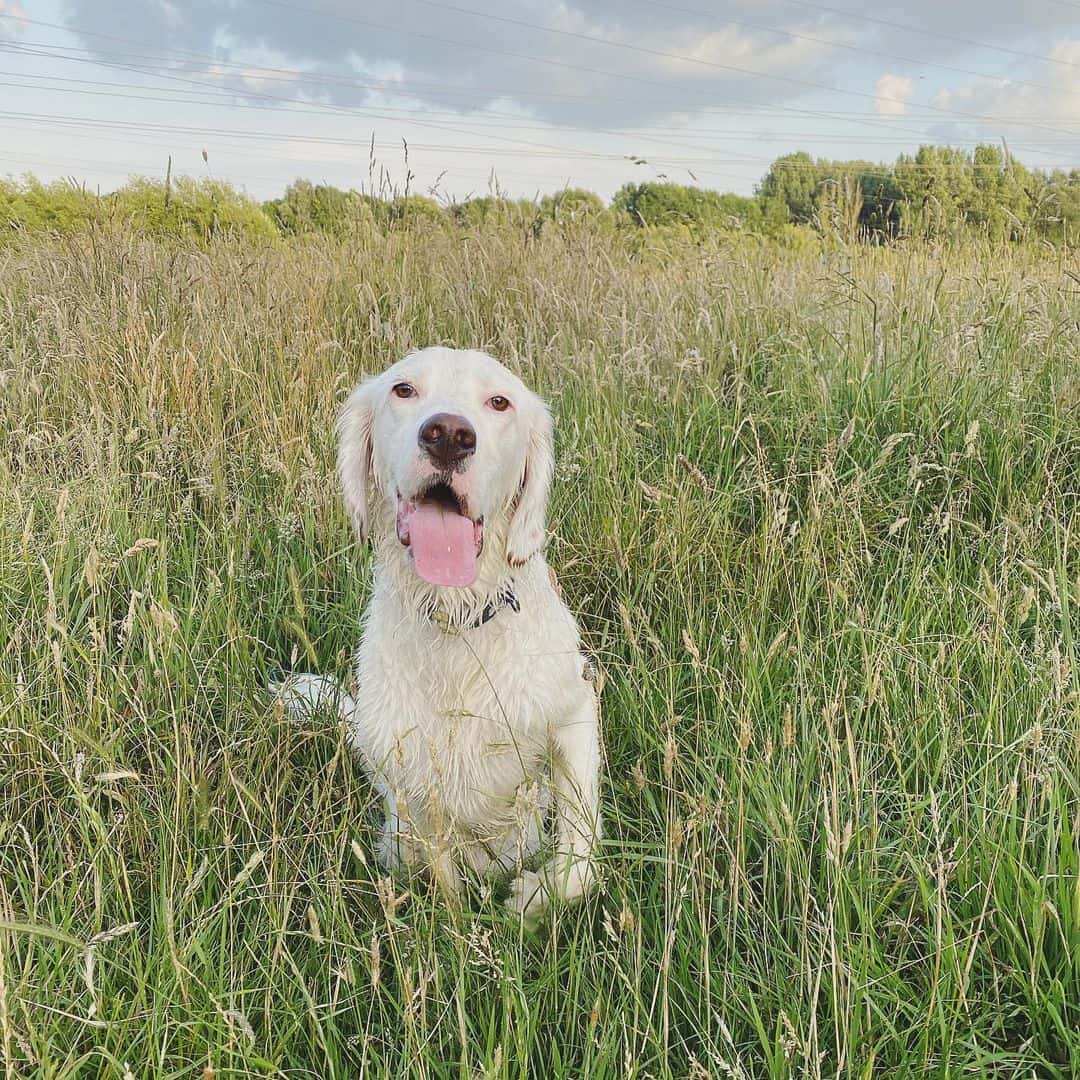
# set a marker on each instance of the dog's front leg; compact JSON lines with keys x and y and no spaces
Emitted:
{"x":569,"y":873}
{"x":415,"y":837}
{"x":393,"y":847}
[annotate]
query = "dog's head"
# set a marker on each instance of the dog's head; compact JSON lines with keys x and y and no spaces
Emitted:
{"x":452,"y":452}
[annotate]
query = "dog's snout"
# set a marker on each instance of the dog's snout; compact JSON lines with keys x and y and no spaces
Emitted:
{"x":447,"y":438}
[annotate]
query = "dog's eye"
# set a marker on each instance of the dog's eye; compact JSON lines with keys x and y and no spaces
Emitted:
{"x":499,"y":403}
{"x":404,"y":390}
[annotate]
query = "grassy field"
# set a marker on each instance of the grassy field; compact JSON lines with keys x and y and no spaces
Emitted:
{"x":818,"y":513}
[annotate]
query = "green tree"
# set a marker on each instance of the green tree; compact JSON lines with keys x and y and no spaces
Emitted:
{"x":571,"y":204}
{"x":414,"y":208}
{"x":787,"y":192}
{"x":196,"y":208}
{"x":854,"y":198}
{"x":482,"y":210}
{"x":1055,"y":206}
{"x":676,"y":204}
{"x":58,"y":207}
{"x":187,"y":207}
{"x":307,"y":207}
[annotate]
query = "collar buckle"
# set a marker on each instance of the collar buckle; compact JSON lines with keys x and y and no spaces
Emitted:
{"x":504,"y":599}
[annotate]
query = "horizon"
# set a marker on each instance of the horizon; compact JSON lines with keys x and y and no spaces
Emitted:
{"x":389,"y":190}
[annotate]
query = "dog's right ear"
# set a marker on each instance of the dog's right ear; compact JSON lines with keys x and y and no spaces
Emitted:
{"x":355,"y":426}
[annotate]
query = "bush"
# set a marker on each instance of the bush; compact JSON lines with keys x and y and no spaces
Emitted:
{"x":59,"y":207}
{"x":307,"y":207}
{"x":571,"y":204}
{"x":193,"y":208}
{"x":939,"y":193}
{"x":655,"y":204}
{"x":488,"y":209}
{"x":855,"y":199}
{"x":800,"y":239}
{"x":410,"y":208}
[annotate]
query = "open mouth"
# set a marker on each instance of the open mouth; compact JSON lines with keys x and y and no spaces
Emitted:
{"x":445,"y":542}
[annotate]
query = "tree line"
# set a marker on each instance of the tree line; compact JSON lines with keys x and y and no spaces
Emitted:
{"x":938,"y":193}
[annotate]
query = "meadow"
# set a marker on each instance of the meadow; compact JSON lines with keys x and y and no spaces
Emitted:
{"x":817,"y":510}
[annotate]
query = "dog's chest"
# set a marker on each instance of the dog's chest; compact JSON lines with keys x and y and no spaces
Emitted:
{"x":452,"y":719}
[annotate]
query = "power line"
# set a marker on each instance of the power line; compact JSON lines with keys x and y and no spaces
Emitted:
{"x":929,"y":33}
{"x":111,"y":167}
{"x":247,"y":69}
{"x":622,"y":45}
{"x":665,"y":163}
{"x":293,"y":75}
{"x":643,"y":49}
{"x":128,"y":137}
{"x":545,"y":149}
{"x":127,"y":96}
{"x":866,"y":50}
{"x":440,"y":89}
{"x":167,"y":95}
{"x":363,"y":144}
{"x":426,"y":89}
{"x":351,"y":110}
{"x":149,"y":170}
{"x":520,"y":123}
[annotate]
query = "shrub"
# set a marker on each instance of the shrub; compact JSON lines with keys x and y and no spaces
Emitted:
{"x":189,"y":207}
{"x":571,"y":204}
{"x":412,"y":208}
{"x":307,"y":207}
{"x":676,"y":204}
{"x":186,"y":207}
{"x":487,"y":209}
{"x":59,"y":207}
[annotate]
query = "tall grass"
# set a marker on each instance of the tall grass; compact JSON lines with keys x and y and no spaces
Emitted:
{"x":818,"y":514}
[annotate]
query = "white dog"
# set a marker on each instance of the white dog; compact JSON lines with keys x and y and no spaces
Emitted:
{"x":475,"y":710}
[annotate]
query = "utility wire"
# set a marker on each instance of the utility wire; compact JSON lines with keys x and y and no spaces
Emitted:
{"x":225,"y":97}
{"x":548,"y":152}
{"x":642,"y":49}
{"x":810,"y":84}
{"x":922,"y":30}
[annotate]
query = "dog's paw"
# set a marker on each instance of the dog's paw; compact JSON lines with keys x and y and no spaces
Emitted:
{"x":388,"y":848}
{"x":529,"y":896}
{"x":531,"y":893}
{"x":397,"y":850}
{"x":303,"y":696}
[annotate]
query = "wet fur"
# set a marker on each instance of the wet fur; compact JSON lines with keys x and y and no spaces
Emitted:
{"x":476,"y":737}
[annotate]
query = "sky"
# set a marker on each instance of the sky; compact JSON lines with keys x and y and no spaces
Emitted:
{"x":467,"y":97}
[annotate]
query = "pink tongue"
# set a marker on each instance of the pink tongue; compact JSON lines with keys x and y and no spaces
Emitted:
{"x":443,"y":545}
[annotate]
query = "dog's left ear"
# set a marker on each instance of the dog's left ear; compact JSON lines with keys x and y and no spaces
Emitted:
{"x":528,"y":525}
{"x":355,"y":449}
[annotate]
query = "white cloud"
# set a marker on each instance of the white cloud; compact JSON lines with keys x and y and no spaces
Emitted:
{"x":170,"y":13}
{"x":891,"y":94}
{"x":1056,"y":98}
{"x":576,"y":63}
{"x":15,"y":16}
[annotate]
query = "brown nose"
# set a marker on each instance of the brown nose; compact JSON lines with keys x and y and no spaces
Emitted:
{"x":447,"y":439}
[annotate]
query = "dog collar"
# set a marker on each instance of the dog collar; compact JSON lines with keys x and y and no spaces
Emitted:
{"x":504,"y":599}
